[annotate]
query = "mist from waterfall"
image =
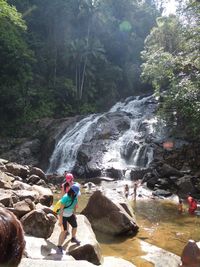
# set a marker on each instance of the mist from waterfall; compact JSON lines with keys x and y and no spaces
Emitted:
{"x":142,"y":126}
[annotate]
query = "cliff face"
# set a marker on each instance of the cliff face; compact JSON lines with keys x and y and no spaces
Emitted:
{"x":35,"y":149}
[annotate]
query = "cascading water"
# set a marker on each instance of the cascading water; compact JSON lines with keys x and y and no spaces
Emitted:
{"x":131,"y":149}
{"x":64,"y":155}
{"x":143,"y":126}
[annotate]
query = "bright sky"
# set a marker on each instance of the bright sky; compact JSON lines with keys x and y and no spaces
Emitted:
{"x":170,"y":8}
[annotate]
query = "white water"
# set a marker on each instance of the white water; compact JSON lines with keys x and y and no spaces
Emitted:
{"x":65,"y":152}
{"x":141,"y":114}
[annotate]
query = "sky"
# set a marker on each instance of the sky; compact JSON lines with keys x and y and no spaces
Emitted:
{"x":170,"y":8}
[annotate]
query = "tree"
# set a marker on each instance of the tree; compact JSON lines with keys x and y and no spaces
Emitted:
{"x":172,"y":65}
{"x":15,"y":72}
{"x":86,"y":52}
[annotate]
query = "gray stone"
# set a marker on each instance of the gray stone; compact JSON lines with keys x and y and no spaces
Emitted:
{"x":109,"y":217}
{"x":159,"y":257}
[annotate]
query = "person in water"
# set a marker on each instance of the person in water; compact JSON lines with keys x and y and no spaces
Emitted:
{"x":180,"y":206}
{"x":192,"y":204}
{"x":68,"y":207}
{"x":126,"y":191}
{"x":12,"y":241}
{"x":135,"y":187}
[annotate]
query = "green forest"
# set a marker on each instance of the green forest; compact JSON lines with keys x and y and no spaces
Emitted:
{"x":75,"y":57}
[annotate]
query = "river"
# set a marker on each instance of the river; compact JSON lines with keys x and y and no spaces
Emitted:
{"x":160,"y":224}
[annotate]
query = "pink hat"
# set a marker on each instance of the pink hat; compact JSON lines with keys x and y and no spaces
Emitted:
{"x":69,"y":177}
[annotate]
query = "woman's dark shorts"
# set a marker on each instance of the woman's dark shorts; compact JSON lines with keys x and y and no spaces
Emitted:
{"x":71,"y":220}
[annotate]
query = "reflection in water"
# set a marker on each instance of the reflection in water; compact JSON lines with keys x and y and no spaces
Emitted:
{"x":160,"y":225}
{"x":164,"y":226}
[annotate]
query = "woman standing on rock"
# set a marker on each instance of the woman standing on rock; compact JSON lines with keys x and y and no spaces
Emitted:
{"x":68,"y":206}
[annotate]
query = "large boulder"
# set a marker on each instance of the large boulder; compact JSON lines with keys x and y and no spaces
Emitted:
{"x":42,"y":249}
{"x":191,"y":255}
{"x":109,"y":217}
{"x":38,"y":172}
{"x":185,"y":184}
{"x":89,"y":248}
{"x":22,"y":207}
{"x":7,"y":198}
{"x":17,"y":169}
{"x":166,"y":171}
{"x":5,"y":180}
{"x":27,"y":194}
{"x":39,"y":224}
{"x":18,"y":185}
{"x":45,"y":195}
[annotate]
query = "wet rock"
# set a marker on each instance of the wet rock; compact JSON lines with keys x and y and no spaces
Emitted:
{"x":151,"y":182}
{"x":185,"y":184}
{"x":138,"y":173}
{"x":161,"y":193}
{"x":166,"y":171}
{"x":114,"y":173}
{"x":128,"y":149}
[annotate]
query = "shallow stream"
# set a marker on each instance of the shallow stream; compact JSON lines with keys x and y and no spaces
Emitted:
{"x":160,"y":224}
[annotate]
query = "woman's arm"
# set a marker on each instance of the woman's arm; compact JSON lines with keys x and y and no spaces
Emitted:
{"x":60,"y":219}
{"x":62,"y":191}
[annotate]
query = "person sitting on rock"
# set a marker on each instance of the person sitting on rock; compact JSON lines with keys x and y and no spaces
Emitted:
{"x":68,"y":206}
{"x":12,"y":241}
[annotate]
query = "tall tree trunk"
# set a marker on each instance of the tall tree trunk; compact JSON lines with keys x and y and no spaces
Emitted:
{"x":85,"y":62}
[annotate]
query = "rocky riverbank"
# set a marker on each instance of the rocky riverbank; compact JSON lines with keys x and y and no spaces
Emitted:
{"x":26,"y":191}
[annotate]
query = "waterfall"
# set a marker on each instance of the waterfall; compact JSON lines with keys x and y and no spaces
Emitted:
{"x":141,"y":116}
{"x":131,"y":149}
{"x":65,"y":152}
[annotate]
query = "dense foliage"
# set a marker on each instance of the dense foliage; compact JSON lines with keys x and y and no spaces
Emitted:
{"x":15,"y":60}
{"x":66,"y":57}
{"x":172,"y":65}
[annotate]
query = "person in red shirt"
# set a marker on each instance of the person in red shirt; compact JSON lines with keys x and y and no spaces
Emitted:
{"x":192,"y":204}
